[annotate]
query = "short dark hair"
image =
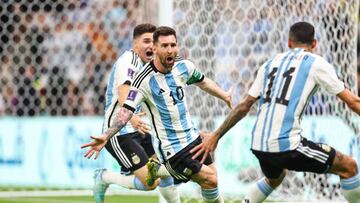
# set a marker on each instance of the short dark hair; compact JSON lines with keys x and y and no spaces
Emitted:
{"x":302,"y":32}
{"x":163,"y":31}
{"x":143,"y":28}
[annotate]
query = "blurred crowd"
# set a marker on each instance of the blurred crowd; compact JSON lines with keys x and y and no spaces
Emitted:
{"x":55,"y":55}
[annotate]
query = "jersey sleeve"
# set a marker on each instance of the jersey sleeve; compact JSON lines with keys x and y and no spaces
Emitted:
{"x":256,"y":87}
{"x":134,"y":98}
{"x":124,"y":72}
{"x":195,"y":75}
{"x":325,"y":76}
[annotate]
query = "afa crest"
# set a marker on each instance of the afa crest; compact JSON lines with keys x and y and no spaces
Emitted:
{"x":135,"y":159}
{"x":326,"y":148}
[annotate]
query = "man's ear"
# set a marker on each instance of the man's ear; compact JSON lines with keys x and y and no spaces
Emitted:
{"x":154,"y":47}
{"x":290,"y":43}
{"x":135,"y":43}
{"x":313,"y":44}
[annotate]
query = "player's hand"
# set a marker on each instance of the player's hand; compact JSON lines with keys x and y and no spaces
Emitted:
{"x":138,"y":124}
{"x":208,"y":145}
{"x":95,"y":146}
{"x":228,"y":97}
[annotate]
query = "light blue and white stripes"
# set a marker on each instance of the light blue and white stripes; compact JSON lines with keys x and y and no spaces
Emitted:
{"x":210,"y":194}
{"x":264,"y":187}
{"x":350,"y":183}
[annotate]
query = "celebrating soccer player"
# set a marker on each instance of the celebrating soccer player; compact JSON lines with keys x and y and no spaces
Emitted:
{"x":283,"y":86}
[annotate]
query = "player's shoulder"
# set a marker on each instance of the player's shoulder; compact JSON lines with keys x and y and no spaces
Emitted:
{"x":179,"y":60}
{"x":143,"y":74}
{"x":128,"y":57}
{"x":318,"y":61}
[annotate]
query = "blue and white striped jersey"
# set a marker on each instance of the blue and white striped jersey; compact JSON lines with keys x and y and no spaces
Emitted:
{"x":124,"y":69}
{"x":165,"y":102}
{"x":284,"y":85}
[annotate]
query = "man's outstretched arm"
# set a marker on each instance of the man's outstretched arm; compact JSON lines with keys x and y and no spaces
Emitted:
{"x":212,"y":88}
{"x":351,"y":100}
{"x":120,"y":120}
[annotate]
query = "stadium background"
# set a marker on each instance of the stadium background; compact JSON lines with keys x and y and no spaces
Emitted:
{"x":55,"y":57}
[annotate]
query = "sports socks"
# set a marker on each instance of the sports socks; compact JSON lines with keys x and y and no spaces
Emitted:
{"x":110,"y":177}
{"x":259,"y":192}
{"x":350,"y":188}
{"x":130,"y":181}
{"x":168,"y":190}
{"x":211,"y":195}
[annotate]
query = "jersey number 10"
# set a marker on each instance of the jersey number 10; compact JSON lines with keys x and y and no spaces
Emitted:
{"x":178,"y":96}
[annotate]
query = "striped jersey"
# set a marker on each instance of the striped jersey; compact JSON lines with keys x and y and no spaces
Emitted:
{"x":284,"y":86}
{"x":165,"y":102}
{"x":124,"y":69}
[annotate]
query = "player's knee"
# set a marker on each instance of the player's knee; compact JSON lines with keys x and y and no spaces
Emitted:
{"x":211,"y":181}
{"x":275,"y":182}
{"x":351,"y":168}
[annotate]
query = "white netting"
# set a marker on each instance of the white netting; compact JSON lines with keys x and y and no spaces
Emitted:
{"x":55,"y":54}
{"x":230,"y":39}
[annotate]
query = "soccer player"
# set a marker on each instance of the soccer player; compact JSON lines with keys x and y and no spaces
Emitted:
{"x":160,"y":86}
{"x":283,"y":86}
{"x":132,"y":145}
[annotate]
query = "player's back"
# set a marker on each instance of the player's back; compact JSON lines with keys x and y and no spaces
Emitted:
{"x":289,"y":80}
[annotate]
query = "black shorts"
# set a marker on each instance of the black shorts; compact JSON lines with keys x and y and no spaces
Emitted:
{"x":131,"y":151}
{"x":307,"y":157}
{"x":181,"y":166}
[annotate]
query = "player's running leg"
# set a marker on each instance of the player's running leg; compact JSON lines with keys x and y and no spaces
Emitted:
{"x":207,"y":179}
{"x":347,"y":169}
{"x":263,"y":188}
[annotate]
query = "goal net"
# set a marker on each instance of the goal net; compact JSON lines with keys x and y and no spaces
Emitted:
{"x":229,"y":39}
{"x":55,"y":57}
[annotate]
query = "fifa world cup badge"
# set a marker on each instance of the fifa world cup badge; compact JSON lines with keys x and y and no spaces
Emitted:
{"x":135,"y":159}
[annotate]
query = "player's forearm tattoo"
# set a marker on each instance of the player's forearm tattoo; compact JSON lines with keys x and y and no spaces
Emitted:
{"x":120,"y":120}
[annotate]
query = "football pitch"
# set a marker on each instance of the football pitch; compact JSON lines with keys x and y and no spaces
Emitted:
{"x":89,"y":199}
{"x":81,"y":199}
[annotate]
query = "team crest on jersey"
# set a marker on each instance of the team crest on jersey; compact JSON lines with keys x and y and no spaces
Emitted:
{"x":135,"y":159}
{"x":326,"y":148}
{"x":132,"y":95}
{"x":187,"y":172}
{"x":182,"y":79}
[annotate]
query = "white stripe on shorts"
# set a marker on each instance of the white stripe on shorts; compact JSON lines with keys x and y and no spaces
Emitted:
{"x":174,"y":173}
{"x":121,"y":155}
{"x":311,"y":153}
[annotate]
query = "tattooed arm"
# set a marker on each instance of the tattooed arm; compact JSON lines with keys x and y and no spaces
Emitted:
{"x":121,"y":118}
